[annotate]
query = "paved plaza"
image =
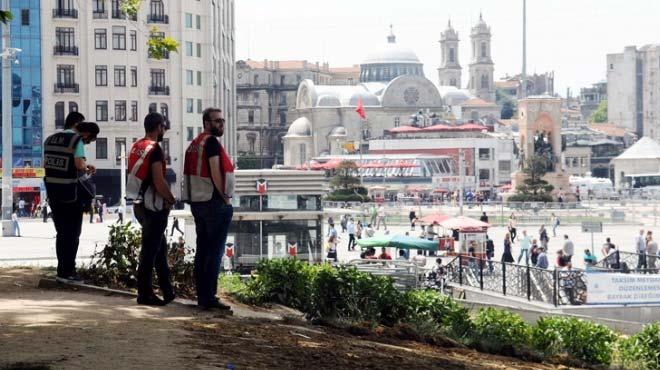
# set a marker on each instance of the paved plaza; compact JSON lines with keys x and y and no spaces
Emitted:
{"x":36,"y":247}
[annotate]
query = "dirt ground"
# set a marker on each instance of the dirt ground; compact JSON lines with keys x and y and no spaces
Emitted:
{"x":61,"y":328}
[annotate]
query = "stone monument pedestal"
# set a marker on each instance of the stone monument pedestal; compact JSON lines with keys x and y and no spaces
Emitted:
{"x":558,"y":180}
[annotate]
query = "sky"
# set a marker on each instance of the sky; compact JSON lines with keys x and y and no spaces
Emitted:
{"x":569,"y":37}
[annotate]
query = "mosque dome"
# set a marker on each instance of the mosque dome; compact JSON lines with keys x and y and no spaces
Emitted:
{"x":389,"y":62}
{"x":392,"y":53}
{"x":339,"y":131}
{"x":300,"y":127}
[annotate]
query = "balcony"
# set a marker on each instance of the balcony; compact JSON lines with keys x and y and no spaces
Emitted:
{"x":158,"y":18}
{"x":118,"y":14}
{"x":166,"y":55}
{"x":103,"y":14}
{"x":62,"y":88}
{"x":159,"y":90}
{"x":65,"y":50}
{"x":65,"y":13}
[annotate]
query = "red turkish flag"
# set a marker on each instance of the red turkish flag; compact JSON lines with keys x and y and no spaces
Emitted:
{"x":360,"y":109}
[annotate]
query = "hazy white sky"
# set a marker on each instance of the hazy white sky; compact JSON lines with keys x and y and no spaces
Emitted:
{"x":570,"y":37}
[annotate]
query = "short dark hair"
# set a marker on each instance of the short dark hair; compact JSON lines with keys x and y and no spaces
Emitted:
{"x":73,"y":119}
{"x":206,"y":115}
{"x":153,"y":120}
{"x":88,"y":127}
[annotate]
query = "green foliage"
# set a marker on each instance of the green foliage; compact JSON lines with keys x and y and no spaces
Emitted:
{"x":600,"y":114}
{"x":159,"y":46}
{"x":6,"y":16}
{"x":346,"y":176}
{"x":429,"y":304}
{"x":583,"y":340}
{"x":508,"y":110}
{"x":181,"y":269}
{"x":642,"y":350}
{"x":356,"y":194}
{"x":130,"y":7}
{"x":534,"y":188}
{"x":116,"y":264}
{"x":496,"y":330}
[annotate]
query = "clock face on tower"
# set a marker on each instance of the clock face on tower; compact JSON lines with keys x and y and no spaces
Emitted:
{"x":411,"y":96}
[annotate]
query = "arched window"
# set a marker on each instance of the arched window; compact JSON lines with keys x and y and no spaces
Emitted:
{"x":164,"y":110}
{"x":303,"y":153}
{"x":59,"y":115}
{"x":484,"y":50}
{"x":252,"y":139}
{"x":153,"y":107}
{"x":452,"y":55}
{"x":73,"y":106}
{"x":484,"y":81}
{"x":157,"y":8}
{"x":452,"y":82}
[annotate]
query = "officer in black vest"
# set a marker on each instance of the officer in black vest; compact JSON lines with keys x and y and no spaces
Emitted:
{"x":64,"y":162}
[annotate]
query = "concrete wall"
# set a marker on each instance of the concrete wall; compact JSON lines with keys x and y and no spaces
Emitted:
{"x":621,"y":88}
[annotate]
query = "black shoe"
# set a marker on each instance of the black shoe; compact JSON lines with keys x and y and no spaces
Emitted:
{"x":167,"y":298}
{"x":215,"y":305}
{"x":151,"y":300}
{"x":71,"y":279}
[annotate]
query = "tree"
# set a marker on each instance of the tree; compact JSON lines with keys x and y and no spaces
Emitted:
{"x":346,"y":184}
{"x":534,"y":188}
{"x":508,"y":110}
{"x":6,"y":16}
{"x":158,"y":46}
{"x":600,"y":114}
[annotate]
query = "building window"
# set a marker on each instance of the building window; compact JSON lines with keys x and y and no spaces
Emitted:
{"x":157,"y":9}
{"x":101,"y":110}
{"x":189,"y":20}
{"x":120,"y":75}
{"x":119,"y":38}
{"x":153,"y":108}
{"x":65,"y":39}
{"x":611,"y":66}
{"x":484,"y":174}
{"x":484,"y":50}
{"x":158,"y":77}
{"x":189,"y":49}
{"x":134,"y":76}
{"x":189,"y":105}
{"x":484,"y":154}
{"x":120,"y":110}
{"x":166,"y":150}
{"x":199,"y":50}
{"x":100,"y":38}
{"x":134,"y":111}
{"x":133,"y":40}
{"x":452,"y":55}
{"x":73,"y":106}
{"x":98,"y":7}
{"x":65,"y":75}
{"x":484,"y":81}
{"x":189,"y":77}
{"x":190,"y":132}
{"x":59,"y":115}
{"x":303,"y":153}
{"x":101,"y":148}
{"x":164,"y":110}
{"x":25,"y":17}
{"x":452,"y":82}
{"x":282,"y":118}
{"x":198,"y":22}
{"x":120,"y":142}
{"x":199,"y":78}
{"x":200,"y":108}
{"x":251,"y":138}
{"x":256,"y":79}
{"x":251,"y":116}
{"x":101,"y":75}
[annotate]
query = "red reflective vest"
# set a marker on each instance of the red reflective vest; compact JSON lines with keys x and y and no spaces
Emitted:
{"x":197,"y":183}
{"x":229,"y":251}
{"x":138,"y":171}
{"x":293,"y":250}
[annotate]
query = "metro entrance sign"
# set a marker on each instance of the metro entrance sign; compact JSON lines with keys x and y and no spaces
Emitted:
{"x":592,"y":227}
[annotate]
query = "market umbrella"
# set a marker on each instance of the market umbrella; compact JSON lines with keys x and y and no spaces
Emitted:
{"x":398,"y":241}
{"x":434,"y":219}
{"x":464,"y":223}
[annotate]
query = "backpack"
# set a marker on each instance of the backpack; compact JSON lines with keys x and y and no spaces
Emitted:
{"x":558,"y":221}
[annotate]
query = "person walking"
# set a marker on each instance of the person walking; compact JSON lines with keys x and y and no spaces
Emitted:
{"x":555,"y":223}
{"x":542,"y":259}
{"x":525,"y":243}
{"x":640,"y":249}
{"x":45,"y":211}
{"x":358,"y":229}
{"x":490,"y":252}
{"x":512,"y":227}
{"x":64,"y":161}
{"x":381,"y":218}
{"x":14,"y":223}
{"x":152,"y":200}
{"x":412,"y":216}
{"x":343,"y":222}
{"x":567,"y":249}
{"x":607,"y":248}
{"x":507,"y":256}
{"x":120,"y":214}
{"x":373,"y":212}
{"x":534,"y":252}
{"x":21,"y":207}
{"x":101,"y":211}
{"x":350,"y":227}
{"x":208,"y":186}
{"x":175,"y":226}
{"x":484,"y":217}
{"x":543,"y":236}
{"x":651,"y":251}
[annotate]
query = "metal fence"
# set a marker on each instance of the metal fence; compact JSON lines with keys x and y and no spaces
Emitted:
{"x":629,"y":263}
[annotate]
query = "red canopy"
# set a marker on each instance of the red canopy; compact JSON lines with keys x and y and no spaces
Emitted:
{"x":434,"y":219}
{"x":464,"y":224}
{"x":441,"y":190}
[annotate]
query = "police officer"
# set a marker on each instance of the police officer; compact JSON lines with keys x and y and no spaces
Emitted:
{"x":64,"y":162}
{"x":151,"y":206}
{"x":208,"y":186}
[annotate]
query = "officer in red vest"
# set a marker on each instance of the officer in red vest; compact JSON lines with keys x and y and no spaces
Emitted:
{"x":208,"y":187}
{"x":152,"y":200}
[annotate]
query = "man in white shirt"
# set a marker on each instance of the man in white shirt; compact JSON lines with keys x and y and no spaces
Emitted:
{"x":640,"y":248}
{"x":651,"y":250}
{"x":369,"y":231}
{"x":525,"y":242}
{"x":381,"y":218}
{"x":568,"y":248}
{"x":350,"y":227}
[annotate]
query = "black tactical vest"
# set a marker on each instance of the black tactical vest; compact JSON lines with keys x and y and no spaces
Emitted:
{"x":59,"y":163}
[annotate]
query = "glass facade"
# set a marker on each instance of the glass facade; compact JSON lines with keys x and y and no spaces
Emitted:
{"x":27,"y":120}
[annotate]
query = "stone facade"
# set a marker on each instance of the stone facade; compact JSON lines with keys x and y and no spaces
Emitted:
{"x":482,"y":69}
{"x":629,"y":75}
{"x":450,"y":70}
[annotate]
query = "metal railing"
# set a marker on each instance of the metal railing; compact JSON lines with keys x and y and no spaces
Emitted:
{"x":405,"y":274}
{"x":66,"y":88}
{"x":629,"y":263}
{"x":555,"y":287}
{"x":158,"y":18}
{"x":65,"y":50}
{"x":159,"y":90}
{"x":100,"y":15}
{"x":65,"y":13}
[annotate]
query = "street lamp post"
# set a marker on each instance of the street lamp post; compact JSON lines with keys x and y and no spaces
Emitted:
{"x":7,"y":198}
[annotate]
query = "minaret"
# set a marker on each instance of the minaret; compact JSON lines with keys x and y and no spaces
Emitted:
{"x":481,"y":68}
{"x":449,"y":72}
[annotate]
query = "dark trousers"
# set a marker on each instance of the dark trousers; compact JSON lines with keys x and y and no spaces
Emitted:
{"x":68,"y":224}
{"x":212,"y":220}
{"x":351,"y":241}
{"x":153,"y":252}
{"x":176,"y":226}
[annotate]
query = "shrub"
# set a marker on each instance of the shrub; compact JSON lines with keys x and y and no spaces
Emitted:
{"x":429,"y":304}
{"x":500,"y":331}
{"x":642,"y":350}
{"x":583,"y":340}
{"x":287,"y":281}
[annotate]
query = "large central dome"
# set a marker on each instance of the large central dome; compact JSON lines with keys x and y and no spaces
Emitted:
{"x":389,"y":62}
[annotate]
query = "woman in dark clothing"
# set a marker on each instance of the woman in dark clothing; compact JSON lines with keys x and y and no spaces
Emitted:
{"x":412,"y":217}
{"x":507,"y":256}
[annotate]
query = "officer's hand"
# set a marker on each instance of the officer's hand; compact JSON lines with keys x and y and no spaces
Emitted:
{"x":91,"y":169}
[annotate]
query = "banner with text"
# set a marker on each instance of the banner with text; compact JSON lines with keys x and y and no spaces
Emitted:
{"x":606,"y":288}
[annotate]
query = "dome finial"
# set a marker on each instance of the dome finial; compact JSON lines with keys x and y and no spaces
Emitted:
{"x":481,"y":16}
{"x":391,"y":38}
{"x":449,"y":23}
